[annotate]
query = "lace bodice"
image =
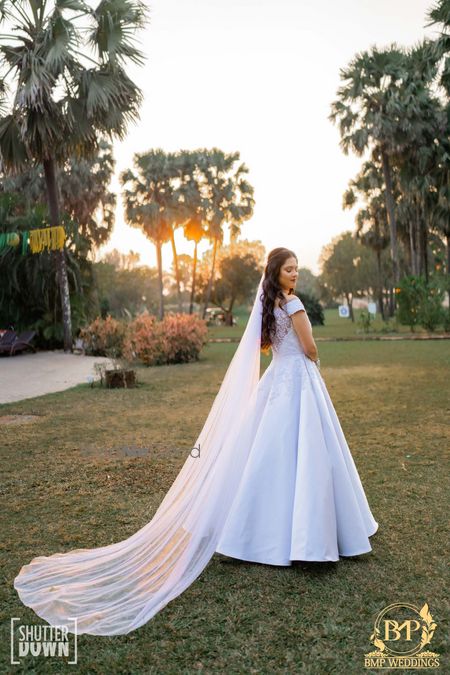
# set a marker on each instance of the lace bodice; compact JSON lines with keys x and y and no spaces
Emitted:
{"x":285,"y":340}
{"x":290,"y":370}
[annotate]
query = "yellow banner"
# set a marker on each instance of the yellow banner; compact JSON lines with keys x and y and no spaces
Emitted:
{"x":51,"y":238}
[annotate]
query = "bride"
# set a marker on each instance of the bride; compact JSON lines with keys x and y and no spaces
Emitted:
{"x":270,"y":479}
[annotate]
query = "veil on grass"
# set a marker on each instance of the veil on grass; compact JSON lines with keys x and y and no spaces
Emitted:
{"x":114,"y":589}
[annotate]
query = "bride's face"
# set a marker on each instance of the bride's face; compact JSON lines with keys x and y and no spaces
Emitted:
{"x":288,"y":274}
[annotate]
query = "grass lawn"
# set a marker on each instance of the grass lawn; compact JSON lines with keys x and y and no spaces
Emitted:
{"x":335,"y":326}
{"x":68,"y":483}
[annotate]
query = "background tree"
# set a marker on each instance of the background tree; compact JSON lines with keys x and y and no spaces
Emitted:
{"x":371,"y":219}
{"x":307,"y":283}
{"x":25,"y":207}
{"x":186,"y":203}
{"x":149,"y":202}
{"x":28,"y":286}
{"x":64,"y":66}
{"x":239,"y":259}
{"x":239,"y":273}
{"x":124,"y":288}
{"x":85,"y":192}
{"x":229,"y":200}
{"x":383,"y":106}
{"x":193,"y":231}
{"x":439,"y":14}
{"x":120,"y":260}
{"x":340,"y":268}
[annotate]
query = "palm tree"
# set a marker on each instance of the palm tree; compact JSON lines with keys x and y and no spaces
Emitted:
{"x":37,"y":308}
{"x":149,"y":204}
{"x":371,"y":219}
{"x":64,"y":64}
{"x":229,"y":200}
{"x":440,"y":14}
{"x":85,"y":192}
{"x":383,"y":107}
{"x":193,"y":230}
{"x":184,"y":203}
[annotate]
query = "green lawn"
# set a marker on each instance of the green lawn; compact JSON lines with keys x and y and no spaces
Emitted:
{"x":67,"y":484}
{"x":334,"y":327}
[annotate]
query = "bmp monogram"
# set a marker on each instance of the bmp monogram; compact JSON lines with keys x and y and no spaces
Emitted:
{"x":400,"y":632}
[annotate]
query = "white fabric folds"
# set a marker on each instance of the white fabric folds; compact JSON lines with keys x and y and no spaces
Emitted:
{"x":114,"y":589}
{"x":294,"y":305}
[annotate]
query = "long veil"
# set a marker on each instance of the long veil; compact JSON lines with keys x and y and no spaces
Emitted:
{"x":114,"y":589}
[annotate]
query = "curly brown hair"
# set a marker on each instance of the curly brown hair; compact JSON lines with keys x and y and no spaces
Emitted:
{"x":271,"y":291}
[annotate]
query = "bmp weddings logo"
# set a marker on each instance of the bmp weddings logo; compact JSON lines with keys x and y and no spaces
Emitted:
{"x":42,"y":640}
{"x":401,"y":632}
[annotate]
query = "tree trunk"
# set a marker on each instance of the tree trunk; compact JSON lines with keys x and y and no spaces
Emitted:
{"x":419,"y":240}
{"x":448,"y":254}
{"x":448,"y":270}
{"x":211,"y":277}
{"x":392,"y":300}
{"x":194,"y":272}
{"x":61,"y":267}
{"x":160,"y":280}
{"x":425,"y":250}
{"x":391,"y":217}
{"x":412,"y":252}
{"x":228,"y":317}
{"x":380,"y":283}
{"x":350,"y":306}
{"x":177,"y":271}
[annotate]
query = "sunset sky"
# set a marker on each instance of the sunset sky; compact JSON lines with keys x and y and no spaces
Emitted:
{"x":258,"y":77}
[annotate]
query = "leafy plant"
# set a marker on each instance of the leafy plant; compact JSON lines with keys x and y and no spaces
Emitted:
{"x":104,"y":337}
{"x":420,"y":302}
{"x":178,"y":338}
{"x":365,"y":320}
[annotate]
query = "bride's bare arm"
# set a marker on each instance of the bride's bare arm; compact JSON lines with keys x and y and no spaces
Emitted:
{"x":303,"y":329}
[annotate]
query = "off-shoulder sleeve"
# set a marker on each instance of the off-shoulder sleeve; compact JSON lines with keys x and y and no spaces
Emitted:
{"x":294,"y":305}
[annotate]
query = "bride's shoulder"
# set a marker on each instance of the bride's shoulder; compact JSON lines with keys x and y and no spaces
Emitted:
{"x":281,"y":302}
{"x":286,"y":298}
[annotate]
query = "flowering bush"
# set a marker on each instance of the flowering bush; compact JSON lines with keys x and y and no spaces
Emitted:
{"x":184,"y":336}
{"x":103,"y":337}
{"x":178,"y":338}
{"x":144,"y":341}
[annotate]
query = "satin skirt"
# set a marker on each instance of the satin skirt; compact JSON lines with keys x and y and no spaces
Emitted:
{"x":300,"y":496}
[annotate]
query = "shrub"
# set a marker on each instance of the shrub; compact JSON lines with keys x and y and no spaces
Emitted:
{"x":104,"y":337}
{"x":365,"y":320}
{"x":184,"y":335}
{"x":313,"y":308}
{"x":409,"y":295}
{"x":178,"y":338}
{"x":431,"y":312}
{"x":144,"y":341}
{"x":420,"y":302}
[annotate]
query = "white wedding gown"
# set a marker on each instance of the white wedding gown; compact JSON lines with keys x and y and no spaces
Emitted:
{"x":300,"y":496}
{"x":274,"y":482}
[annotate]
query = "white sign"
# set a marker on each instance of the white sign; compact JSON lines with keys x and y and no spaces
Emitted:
{"x":372,"y":307}
{"x":344,"y":311}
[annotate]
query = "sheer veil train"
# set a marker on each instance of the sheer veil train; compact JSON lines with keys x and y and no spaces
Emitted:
{"x":114,"y":589}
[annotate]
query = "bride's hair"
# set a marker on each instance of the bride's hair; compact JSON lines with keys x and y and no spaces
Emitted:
{"x":271,"y":291}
